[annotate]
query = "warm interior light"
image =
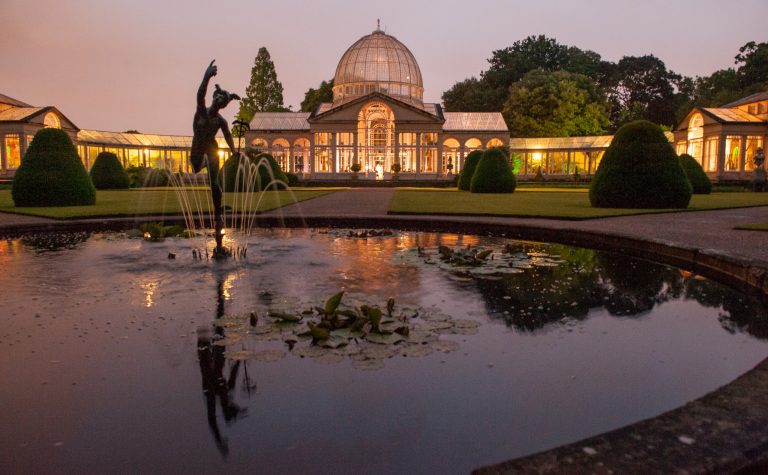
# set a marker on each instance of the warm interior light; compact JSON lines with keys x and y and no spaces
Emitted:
{"x":221,"y":153}
{"x":536,"y":156}
{"x":147,"y":235}
{"x":222,"y":232}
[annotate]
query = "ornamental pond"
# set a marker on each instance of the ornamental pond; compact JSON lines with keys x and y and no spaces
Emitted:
{"x":446,"y":352}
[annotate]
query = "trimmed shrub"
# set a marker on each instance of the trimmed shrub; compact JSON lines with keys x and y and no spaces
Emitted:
{"x":146,"y":177}
{"x":470,"y":163}
{"x":107,"y":173}
{"x":640,"y":170}
{"x":700,"y":182}
{"x":52,"y":174}
{"x":228,"y":173}
{"x":293,"y":179}
{"x":493,"y":174}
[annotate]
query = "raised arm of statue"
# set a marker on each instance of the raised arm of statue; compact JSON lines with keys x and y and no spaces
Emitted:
{"x":209,"y":73}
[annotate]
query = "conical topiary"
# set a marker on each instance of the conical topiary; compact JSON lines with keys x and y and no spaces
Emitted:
{"x":493,"y":174}
{"x":52,"y":174}
{"x":700,"y":182}
{"x":107,"y":173}
{"x":640,"y":170}
{"x":470,"y":163}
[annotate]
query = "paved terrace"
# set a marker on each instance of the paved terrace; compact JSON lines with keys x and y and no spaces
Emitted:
{"x":724,"y":431}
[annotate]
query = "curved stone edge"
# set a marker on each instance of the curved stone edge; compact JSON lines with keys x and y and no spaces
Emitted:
{"x":724,"y":431}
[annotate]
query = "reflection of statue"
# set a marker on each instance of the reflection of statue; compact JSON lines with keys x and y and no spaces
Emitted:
{"x":205,"y":150}
{"x":215,"y":385}
{"x":759,"y":182}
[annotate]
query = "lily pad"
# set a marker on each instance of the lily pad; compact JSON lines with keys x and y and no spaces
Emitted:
{"x":416,"y":351}
{"x":382,"y":339}
{"x":240,"y":355}
{"x":268,"y":356}
{"x":444,"y":346}
{"x":228,"y":340}
{"x":310,"y":351}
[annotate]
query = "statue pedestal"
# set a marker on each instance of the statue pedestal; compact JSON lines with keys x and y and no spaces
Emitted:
{"x":758,"y":182}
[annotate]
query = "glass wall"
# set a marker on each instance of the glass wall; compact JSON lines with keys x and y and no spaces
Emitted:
{"x":345,"y":151}
{"x":301,"y":155}
{"x":750,"y":149}
{"x":429,"y":153}
{"x":12,"y":151}
{"x":407,"y":151}
{"x":450,"y":156}
{"x":558,"y":163}
{"x":280,"y":152}
{"x":579,"y":163}
{"x":732,"y":153}
{"x":710,"y":154}
{"x":323,"y":153}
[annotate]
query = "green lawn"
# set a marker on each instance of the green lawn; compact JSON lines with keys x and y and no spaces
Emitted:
{"x":543,"y":203}
{"x":753,"y":227}
{"x":155,"y":201}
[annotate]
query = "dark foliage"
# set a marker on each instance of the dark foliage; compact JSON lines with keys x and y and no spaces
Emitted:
{"x":146,"y":177}
{"x":52,"y":174}
{"x":107,"y":173}
{"x":700,"y":182}
{"x":470,"y":163}
{"x":260,"y":177}
{"x":493,"y":173}
{"x":640,"y":170}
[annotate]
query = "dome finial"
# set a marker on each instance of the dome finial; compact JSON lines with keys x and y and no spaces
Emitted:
{"x":378,"y":24}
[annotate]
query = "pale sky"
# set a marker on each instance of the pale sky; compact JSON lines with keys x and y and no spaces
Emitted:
{"x":111,"y":65}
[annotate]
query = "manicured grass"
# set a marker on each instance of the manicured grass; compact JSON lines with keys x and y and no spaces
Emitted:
{"x":753,"y":227}
{"x":544,"y":203}
{"x":155,"y":201}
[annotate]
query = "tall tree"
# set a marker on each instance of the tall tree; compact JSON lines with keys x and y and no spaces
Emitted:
{"x":555,"y":104}
{"x":641,"y":87}
{"x":314,"y":97}
{"x":753,"y":69}
{"x":470,"y":95}
{"x":264,"y":92}
{"x":509,"y":65}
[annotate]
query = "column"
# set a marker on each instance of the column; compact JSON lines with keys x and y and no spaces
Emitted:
{"x":311,"y":167}
{"x":3,"y":158}
{"x":397,"y":150}
{"x":721,"y":155}
{"x":22,"y":145}
{"x":418,"y":153}
{"x":439,"y":156}
{"x":334,"y":158}
{"x":354,"y":149}
{"x":742,"y":153}
{"x":291,"y":158}
{"x":460,"y":156}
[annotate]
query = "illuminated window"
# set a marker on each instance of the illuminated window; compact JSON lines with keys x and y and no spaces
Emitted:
{"x":732,"y":153}
{"x":280,"y":152}
{"x":52,"y":120}
{"x":450,"y":155}
{"x":12,"y":151}
{"x":429,"y":153}
{"x":750,"y":150}
{"x":495,"y":143}
{"x":710,"y":154}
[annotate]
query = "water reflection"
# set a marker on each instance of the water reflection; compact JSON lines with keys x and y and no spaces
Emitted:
{"x":217,"y":386}
{"x":624,"y":287}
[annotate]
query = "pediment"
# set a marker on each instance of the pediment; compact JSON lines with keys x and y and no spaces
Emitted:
{"x":348,"y":112}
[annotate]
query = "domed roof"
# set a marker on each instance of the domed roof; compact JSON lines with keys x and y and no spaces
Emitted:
{"x":378,"y":63}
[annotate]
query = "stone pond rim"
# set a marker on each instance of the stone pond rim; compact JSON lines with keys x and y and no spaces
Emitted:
{"x":723,"y":431}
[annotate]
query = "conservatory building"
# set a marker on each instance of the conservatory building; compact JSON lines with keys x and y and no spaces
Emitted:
{"x":725,"y":140}
{"x":377,"y":119}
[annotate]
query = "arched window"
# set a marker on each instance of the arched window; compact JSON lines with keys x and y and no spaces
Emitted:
{"x":495,"y":143}
{"x":473,"y":144}
{"x":52,"y":120}
{"x":301,"y":155}
{"x":451,"y":156}
{"x":280,"y":151}
{"x":695,"y":136}
{"x":259,"y":144}
{"x":376,"y":138}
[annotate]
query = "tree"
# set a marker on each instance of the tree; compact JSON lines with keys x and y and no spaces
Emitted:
{"x":509,"y":65}
{"x":641,"y":87}
{"x":753,"y":69}
{"x":555,"y":104}
{"x":314,"y":97}
{"x":470,"y":95}
{"x":264,"y":93}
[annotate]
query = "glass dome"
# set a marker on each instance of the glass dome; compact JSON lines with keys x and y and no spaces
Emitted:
{"x":378,"y":63}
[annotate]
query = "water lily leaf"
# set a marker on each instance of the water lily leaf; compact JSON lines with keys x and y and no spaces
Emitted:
{"x":348,"y":333}
{"x":285,"y":316}
{"x":381,"y":339}
{"x":317,"y":332}
{"x":482,"y":255}
{"x":261,"y":330}
{"x":329,"y":358}
{"x":240,"y":355}
{"x":228,"y":340}
{"x":416,"y":351}
{"x":310,"y":351}
{"x":333,"y":342}
{"x":466,"y":323}
{"x":417,"y":336}
{"x":333,"y":303}
{"x":348,"y":313}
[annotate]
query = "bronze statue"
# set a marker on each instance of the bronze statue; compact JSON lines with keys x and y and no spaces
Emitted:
{"x":205,"y":150}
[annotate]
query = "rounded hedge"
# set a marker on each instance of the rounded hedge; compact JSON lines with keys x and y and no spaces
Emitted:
{"x":493,"y":174}
{"x":700,"y":182}
{"x":52,"y":174}
{"x":470,"y":163}
{"x":107,"y":173}
{"x":640,"y":170}
{"x":146,"y":177}
{"x":228,"y":174}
